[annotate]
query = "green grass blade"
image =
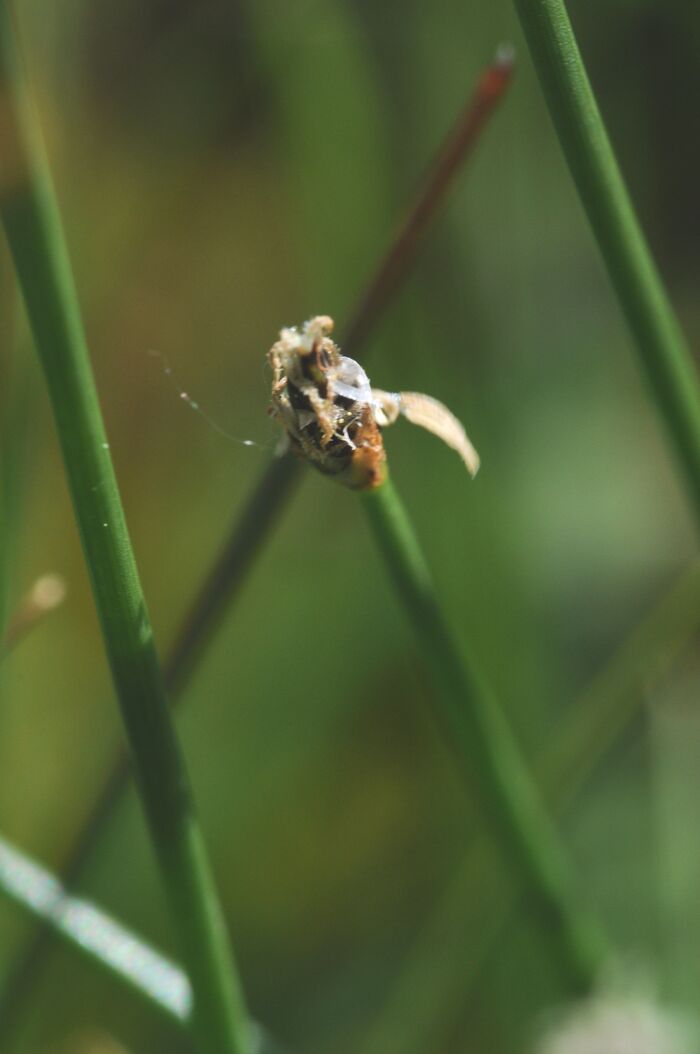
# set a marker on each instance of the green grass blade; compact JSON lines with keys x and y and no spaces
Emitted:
{"x":32,"y":224}
{"x":612,"y":699}
{"x":427,"y":997}
{"x":486,"y":752}
{"x":660,"y":343}
{"x":674,"y":732}
{"x":14,"y":391}
{"x":12,"y":443}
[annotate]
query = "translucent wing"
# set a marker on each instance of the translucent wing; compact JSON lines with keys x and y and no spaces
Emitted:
{"x":432,"y":415}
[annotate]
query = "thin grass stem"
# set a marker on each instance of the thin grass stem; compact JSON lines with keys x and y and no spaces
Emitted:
{"x":428,"y":996}
{"x":458,"y":145}
{"x":32,"y":224}
{"x":476,"y":730}
{"x":664,"y":355}
{"x":603,"y":711}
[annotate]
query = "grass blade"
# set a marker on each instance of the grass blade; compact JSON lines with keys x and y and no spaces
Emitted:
{"x":14,"y":402}
{"x":32,"y":224}
{"x":474,"y":727}
{"x":663,"y":352}
{"x":613,"y":698}
{"x":440,"y":967}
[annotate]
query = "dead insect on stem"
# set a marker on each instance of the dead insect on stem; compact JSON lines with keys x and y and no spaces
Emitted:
{"x":333,"y":418}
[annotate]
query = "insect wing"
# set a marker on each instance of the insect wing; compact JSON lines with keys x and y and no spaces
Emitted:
{"x":432,"y":415}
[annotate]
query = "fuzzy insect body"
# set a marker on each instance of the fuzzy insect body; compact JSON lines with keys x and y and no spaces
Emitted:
{"x":333,"y":418}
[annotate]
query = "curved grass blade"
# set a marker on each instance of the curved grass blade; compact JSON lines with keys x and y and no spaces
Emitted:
{"x":32,"y":225}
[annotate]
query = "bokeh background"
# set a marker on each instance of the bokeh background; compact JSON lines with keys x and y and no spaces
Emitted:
{"x":225,"y":168}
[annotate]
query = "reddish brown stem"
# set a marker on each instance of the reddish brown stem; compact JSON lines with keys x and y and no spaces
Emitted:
{"x":460,"y":142}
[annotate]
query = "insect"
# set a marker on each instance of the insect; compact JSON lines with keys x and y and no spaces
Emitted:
{"x":333,"y":418}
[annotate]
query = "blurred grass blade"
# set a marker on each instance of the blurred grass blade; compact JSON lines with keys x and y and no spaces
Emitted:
{"x":674,"y":722}
{"x":12,"y":443}
{"x":432,"y":988}
{"x":100,"y":937}
{"x":14,"y":428}
{"x":428,"y":996}
{"x":665,"y":357}
{"x":605,"y":708}
{"x":32,"y":224}
{"x":476,"y":730}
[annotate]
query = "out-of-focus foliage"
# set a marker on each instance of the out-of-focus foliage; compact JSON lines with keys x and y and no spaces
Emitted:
{"x":226,"y":168}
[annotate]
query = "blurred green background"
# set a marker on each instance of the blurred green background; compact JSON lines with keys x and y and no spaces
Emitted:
{"x":224,"y":169}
